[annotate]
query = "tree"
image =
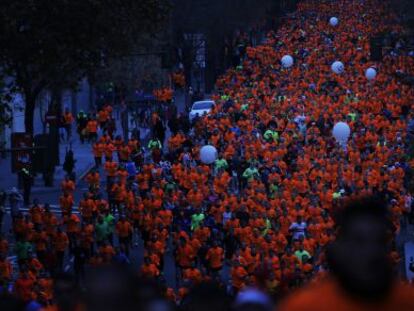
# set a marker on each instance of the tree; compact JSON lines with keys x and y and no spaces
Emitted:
{"x":6,"y":116}
{"x":218,"y":21}
{"x":6,"y":111}
{"x":50,"y":45}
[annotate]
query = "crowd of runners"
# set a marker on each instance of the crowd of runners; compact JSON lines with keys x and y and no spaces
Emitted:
{"x":260,"y":215}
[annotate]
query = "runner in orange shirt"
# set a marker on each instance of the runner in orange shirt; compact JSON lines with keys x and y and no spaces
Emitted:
{"x":215,"y":257}
{"x":124,"y":230}
{"x":93,"y":179}
{"x":67,"y":185}
{"x":98,"y":151}
{"x":60,"y":242}
{"x":66,"y":203}
{"x":24,"y":286}
{"x":92,"y":128}
{"x":6,"y":271}
{"x":68,"y":121}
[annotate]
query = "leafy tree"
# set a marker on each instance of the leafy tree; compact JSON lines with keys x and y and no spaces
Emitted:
{"x":218,"y":21}
{"x":5,"y":107}
{"x":50,"y":45}
{"x":6,"y":112}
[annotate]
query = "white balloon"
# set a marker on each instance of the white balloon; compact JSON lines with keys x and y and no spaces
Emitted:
{"x":333,"y":21}
{"x":370,"y":73}
{"x":341,"y":132}
{"x":338,"y":67}
{"x":287,"y":61}
{"x":208,"y":154}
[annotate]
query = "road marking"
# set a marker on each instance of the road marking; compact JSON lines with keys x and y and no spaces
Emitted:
{"x":71,"y":260}
{"x":57,"y":206}
{"x":53,"y":208}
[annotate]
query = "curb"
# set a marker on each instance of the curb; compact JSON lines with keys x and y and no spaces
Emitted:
{"x":86,"y":172}
{"x":44,"y":190}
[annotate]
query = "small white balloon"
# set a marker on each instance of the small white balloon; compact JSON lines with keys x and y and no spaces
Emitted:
{"x":338,"y":67}
{"x":333,"y":21}
{"x":287,"y":61}
{"x":341,"y":132}
{"x":370,"y":73}
{"x":208,"y":154}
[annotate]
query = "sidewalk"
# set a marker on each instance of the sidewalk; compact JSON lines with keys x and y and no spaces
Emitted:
{"x":7,"y":179}
{"x":83,"y":156}
{"x":84,"y":162}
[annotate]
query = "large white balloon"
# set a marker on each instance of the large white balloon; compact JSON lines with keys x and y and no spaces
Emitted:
{"x":341,"y":132}
{"x":287,"y":61}
{"x":208,"y":154}
{"x":370,"y":73}
{"x":333,"y":21}
{"x":338,"y":67}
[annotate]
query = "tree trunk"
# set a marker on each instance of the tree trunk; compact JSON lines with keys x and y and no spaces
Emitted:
{"x":91,"y":96}
{"x":42,"y":114}
{"x":211,"y":67}
{"x":74,"y":102}
{"x":30,"y":101}
{"x":56,"y":100}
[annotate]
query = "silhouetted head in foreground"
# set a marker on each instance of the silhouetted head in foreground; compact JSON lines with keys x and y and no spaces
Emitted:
{"x":66,"y":293}
{"x":10,"y":303}
{"x":206,"y":297}
{"x":359,"y":256}
{"x":361,"y":276}
{"x":117,"y":288}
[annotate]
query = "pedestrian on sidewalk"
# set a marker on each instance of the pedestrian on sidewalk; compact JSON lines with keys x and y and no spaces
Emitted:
{"x":68,"y":121}
{"x":82,"y":121}
{"x":92,"y":128}
{"x":27,"y":179}
{"x":69,"y":164}
{"x":15,"y":199}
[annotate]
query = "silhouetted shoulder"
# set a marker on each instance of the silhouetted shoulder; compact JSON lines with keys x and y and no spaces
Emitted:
{"x":327,"y":296}
{"x":313,"y":297}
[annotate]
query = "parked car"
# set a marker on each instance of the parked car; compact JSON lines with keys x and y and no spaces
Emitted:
{"x":201,"y":108}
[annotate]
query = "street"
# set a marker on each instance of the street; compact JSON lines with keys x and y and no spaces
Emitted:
{"x":85,"y":161}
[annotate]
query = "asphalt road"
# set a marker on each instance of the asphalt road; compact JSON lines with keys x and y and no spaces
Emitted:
{"x":52,"y":195}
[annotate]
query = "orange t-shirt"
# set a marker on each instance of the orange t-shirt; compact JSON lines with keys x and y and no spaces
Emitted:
{"x":92,"y":126}
{"x":68,"y":118}
{"x":103,"y":116}
{"x":60,"y":241}
{"x":111,"y":168}
{"x":5,"y":269}
{"x":185,"y":255}
{"x":124,"y":229}
{"x":215,"y":257}
{"x":328,"y":292}
{"x":24,"y":288}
